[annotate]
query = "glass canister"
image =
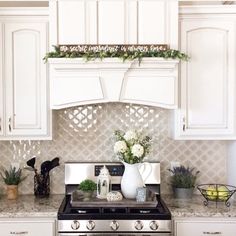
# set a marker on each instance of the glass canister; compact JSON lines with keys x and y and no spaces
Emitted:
{"x":41,"y":185}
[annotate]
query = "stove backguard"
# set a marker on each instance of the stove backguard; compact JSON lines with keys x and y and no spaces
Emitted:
{"x":76,"y":172}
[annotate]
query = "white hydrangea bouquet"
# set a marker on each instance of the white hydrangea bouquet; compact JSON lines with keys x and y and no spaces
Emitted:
{"x":131,"y":146}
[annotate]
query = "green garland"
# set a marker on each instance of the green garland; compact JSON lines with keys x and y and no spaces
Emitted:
{"x":123,"y":55}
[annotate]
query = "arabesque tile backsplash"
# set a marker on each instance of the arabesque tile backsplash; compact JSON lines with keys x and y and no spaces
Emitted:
{"x":85,"y":133}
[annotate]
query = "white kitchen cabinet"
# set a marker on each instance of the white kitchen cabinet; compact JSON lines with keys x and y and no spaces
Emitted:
{"x":29,"y":227}
{"x":114,"y":22}
{"x":24,"y":108}
{"x":1,"y":81}
{"x":111,"y":21}
{"x":204,"y":226}
{"x":207,"y":101}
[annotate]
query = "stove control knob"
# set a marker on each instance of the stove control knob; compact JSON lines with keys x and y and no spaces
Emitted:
{"x":75,"y":225}
{"x":90,"y":225}
{"x":114,"y":225}
{"x":138,"y":225}
{"x":153,"y":225}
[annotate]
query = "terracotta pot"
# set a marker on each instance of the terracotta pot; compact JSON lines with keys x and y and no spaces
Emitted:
{"x":12,"y":192}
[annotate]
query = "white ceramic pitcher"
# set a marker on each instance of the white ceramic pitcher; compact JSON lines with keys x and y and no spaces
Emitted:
{"x":132,"y":178}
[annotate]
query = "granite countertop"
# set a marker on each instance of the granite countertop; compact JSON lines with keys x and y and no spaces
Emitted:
{"x":195,"y":207}
{"x":29,"y":206}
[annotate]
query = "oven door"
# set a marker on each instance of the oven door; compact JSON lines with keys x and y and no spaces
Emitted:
{"x":115,"y":234}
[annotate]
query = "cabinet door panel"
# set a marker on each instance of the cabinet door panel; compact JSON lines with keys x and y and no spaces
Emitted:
{"x":205,"y":228}
{"x":114,"y":22}
{"x":207,"y":79}
{"x":151,"y":22}
{"x":27,"y":110}
{"x":91,"y":22}
{"x":150,"y":90}
{"x":71,"y":22}
{"x":27,"y":228}
{"x":111,"y":22}
{"x":75,"y":90}
{"x":25,"y":74}
{"x":1,"y":81}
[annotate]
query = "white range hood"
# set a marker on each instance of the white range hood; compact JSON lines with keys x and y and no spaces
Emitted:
{"x":76,"y":82}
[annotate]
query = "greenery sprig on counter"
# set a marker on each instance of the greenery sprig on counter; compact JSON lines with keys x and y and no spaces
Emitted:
{"x":130,"y":53}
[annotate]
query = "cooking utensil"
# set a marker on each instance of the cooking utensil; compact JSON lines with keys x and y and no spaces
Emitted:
{"x":31,"y":162}
{"x":45,"y":167}
{"x":54,"y":163}
{"x":29,"y":168}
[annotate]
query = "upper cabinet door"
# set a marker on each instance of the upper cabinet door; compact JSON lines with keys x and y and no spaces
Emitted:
{"x":111,"y":22}
{"x":114,"y":22}
{"x":1,"y":81}
{"x":207,"y":105}
{"x":71,"y":22}
{"x":25,"y":79}
{"x":152,"y":25}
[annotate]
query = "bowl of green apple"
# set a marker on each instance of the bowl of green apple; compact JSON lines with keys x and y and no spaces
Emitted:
{"x":216,"y":193}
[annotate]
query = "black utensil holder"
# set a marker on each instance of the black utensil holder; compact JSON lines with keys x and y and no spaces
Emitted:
{"x":42,"y":185}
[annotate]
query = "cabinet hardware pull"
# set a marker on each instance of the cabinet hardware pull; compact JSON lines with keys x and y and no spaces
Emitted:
{"x":212,"y":233}
{"x":9,"y":126}
{"x":0,"y":124}
{"x":184,"y":125}
{"x":19,"y":232}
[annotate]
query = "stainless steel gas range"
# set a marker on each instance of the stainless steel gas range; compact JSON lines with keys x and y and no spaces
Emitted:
{"x":118,"y":220}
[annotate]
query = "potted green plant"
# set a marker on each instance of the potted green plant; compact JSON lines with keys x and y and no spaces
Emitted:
{"x":87,"y":186}
{"x":12,"y":178}
{"x":183,"y":181}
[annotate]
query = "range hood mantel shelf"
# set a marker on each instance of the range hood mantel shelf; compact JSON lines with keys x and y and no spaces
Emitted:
{"x":73,"y":82}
